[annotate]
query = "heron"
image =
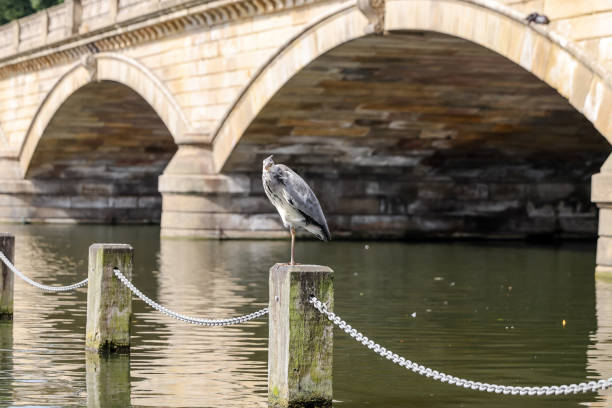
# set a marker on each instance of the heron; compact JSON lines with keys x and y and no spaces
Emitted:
{"x":294,"y":200}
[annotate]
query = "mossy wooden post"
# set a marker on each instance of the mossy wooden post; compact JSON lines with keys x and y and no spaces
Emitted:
{"x":7,"y":280}
{"x":109,"y":302}
{"x":301,"y":339}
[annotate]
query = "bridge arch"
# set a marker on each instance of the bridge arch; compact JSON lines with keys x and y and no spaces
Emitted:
{"x":103,"y":67}
{"x":550,"y":57}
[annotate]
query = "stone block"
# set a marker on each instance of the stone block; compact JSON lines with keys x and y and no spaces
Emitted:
{"x":16,"y":213}
{"x":370,"y":225}
{"x":356,"y":205}
{"x":15,"y":200}
{"x":123,"y":202}
{"x":137,"y":215}
{"x":551,"y":192}
{"x":604,"y":251}
{"x":507,"y":191}
{"x":55,"y":201}
{"x":601,"y":188}
{"x":594,"y":102}
{"x":605,"y":220}
{"x":215,"y":221}
{"x":98,"y":202}
{"x":579,"y":226}
{"x":151,"y":202}
{"x":388,"y":188}
{"x":169,"y":232}
{"x":603,"y":123}
{"x":586,"y":26}
{"x":197,"y":184}
{"x":96,"y":188}
{"x":190,"y":160}
{"x":535,"y":225}
{"x":216,"y":203}
{"x":558,"y":9}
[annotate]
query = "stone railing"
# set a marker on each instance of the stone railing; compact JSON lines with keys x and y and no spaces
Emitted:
{"x":78,"y":17}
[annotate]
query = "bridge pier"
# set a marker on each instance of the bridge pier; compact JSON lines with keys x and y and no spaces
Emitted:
{"x":601,"y":194}
{"x":198,"y":203}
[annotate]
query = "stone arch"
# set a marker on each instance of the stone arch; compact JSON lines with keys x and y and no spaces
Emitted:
{"x":549,"y":56}
{"x":103,"y":67}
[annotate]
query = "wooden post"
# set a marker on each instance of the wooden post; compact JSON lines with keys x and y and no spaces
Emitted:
{"x":107,"y":380}
{"x":301,"y":339}
{"x":7,"y":280}
{"x":109,"y":302}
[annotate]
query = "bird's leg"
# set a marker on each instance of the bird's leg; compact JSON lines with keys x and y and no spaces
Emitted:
{"x":292,"y":245}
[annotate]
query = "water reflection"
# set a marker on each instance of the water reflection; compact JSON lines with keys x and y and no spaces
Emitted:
{"x":600,"y":352}
{"x":486,"y":312}
{"x":194,"y":280}
{"x":108,"y":380}
{"x":6,"y":353}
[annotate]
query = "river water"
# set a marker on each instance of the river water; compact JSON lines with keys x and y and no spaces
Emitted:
{"x":489,"y":312}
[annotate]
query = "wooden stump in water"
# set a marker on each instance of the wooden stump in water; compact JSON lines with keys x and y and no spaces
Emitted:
{"x":109,"y":302}
{"x":7,"y":279}
{"x":301,"y":339}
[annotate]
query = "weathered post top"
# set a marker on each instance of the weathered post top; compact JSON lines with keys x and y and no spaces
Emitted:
{"x":7,"y":279}
{"x":301,"y":339}
{"x":109,"y":302}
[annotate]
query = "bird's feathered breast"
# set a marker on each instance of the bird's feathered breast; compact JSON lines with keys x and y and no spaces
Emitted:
{"x":299,"y":195}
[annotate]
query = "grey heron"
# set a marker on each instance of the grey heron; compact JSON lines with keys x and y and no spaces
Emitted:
{"x":294,"y":200}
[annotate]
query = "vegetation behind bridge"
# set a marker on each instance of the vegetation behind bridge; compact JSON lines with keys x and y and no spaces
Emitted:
{"x":14,"y":9}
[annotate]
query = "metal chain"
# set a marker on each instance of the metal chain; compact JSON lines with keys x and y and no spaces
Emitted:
{"x":187,"y":319}
{"x":40,"y":285}
{"x":459,"y":382}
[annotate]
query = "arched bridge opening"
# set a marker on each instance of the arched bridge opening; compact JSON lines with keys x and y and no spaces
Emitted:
{"x":424,"y":134}
{"x":99,"y":158}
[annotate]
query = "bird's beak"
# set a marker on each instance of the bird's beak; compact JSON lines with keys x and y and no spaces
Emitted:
{"x":268,"y":162}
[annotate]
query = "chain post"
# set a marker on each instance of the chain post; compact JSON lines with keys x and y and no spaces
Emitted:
{"x":7,"y":278}
{"x":109,"y":302}
{"x":300,"y":340}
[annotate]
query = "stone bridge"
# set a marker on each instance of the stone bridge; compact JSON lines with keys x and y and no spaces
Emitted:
{"x":410,"y":118}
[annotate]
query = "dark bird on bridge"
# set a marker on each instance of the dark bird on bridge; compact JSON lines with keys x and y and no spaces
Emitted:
{"x":294,"y":200}
{"x":537,"y":18}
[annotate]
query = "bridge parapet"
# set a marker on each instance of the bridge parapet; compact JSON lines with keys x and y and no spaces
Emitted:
{"x":82,"y":18}
{"x":49,"y":26}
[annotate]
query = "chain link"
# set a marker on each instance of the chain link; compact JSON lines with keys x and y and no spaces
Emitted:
{"x":187,"y":319}
{"x":40,"y":285}
{"x":591,"y":386}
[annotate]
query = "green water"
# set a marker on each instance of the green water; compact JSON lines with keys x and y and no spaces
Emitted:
{"x":489,"y":312}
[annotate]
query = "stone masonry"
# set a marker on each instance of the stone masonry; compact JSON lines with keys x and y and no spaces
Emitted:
{"x":411,"y":118}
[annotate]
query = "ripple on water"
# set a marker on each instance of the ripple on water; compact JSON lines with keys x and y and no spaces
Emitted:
{"x":467,"y":323}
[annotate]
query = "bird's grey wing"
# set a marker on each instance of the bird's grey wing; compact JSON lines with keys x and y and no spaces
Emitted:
{"x":301,"y":197}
